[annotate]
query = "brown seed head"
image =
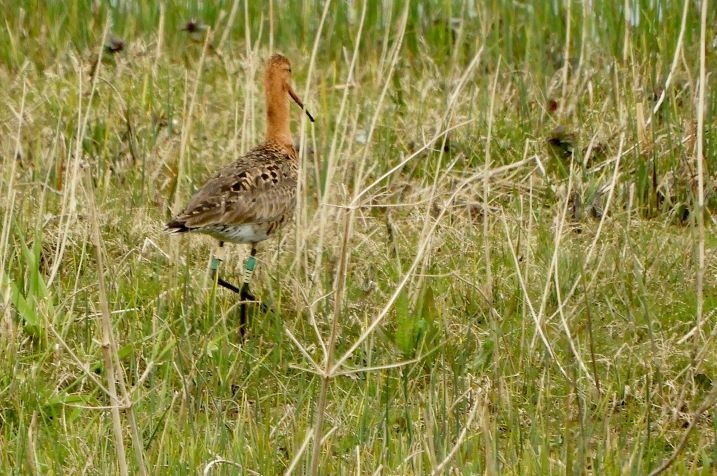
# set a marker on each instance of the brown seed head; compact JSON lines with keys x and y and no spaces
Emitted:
{"x":115,"y":45}
{"x":194,"y":26}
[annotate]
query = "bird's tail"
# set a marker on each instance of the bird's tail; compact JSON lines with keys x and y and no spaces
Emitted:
{"x":176,"y":226}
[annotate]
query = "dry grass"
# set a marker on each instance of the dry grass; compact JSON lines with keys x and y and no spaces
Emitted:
{"x":457,"y":296}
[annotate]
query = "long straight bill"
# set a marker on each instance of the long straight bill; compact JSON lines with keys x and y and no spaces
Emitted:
{"x":295,"y":97}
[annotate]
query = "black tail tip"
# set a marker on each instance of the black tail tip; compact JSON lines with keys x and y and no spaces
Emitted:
{"x":176,"y":226}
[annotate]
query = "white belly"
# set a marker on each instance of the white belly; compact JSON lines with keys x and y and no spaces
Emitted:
{"x":246,"y":233}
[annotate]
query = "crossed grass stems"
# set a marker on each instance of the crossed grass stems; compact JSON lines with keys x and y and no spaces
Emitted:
{"x":332,"y":366}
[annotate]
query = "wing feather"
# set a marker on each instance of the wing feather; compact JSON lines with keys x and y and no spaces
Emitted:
{"x":251,"y":190}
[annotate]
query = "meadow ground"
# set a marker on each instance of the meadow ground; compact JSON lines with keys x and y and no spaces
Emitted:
{"x":503,"y":258}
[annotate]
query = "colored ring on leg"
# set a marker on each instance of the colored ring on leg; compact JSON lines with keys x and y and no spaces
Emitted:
{"x":250,"y":263}
{"x":249,"y":269}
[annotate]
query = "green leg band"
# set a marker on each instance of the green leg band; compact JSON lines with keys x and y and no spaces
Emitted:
{"x":250,"y":264}
{"x":215,"y":263}
{"x":249,"y":268}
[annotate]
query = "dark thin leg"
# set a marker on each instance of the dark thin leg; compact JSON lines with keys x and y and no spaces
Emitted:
{"x":215,"y":266}
{"x":228,"y":285}
{"x":245,"y":294}
{"x":215,"y":270}
{"x":248,"y":271}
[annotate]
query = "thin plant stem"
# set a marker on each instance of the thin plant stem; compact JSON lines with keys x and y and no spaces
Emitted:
{"x":699,"y":158}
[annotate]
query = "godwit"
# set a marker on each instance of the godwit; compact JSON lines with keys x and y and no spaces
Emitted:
{"x":252,"y":198}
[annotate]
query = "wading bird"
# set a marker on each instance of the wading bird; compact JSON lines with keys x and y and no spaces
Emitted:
{"x":255,"y":196}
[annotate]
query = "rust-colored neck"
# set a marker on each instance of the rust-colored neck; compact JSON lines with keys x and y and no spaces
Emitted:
{"x":277,"y":112}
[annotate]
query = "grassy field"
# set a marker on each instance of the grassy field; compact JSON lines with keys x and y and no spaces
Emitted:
{"x":503,"y":259}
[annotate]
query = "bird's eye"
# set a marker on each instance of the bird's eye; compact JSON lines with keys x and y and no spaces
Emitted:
{"x":289,"y":70}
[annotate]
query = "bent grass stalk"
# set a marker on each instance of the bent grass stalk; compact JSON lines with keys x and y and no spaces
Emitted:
{"x":623,"y":292}
{"x":340,"y":279}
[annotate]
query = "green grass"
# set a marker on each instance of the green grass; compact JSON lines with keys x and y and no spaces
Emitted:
{"x":498,"y":305}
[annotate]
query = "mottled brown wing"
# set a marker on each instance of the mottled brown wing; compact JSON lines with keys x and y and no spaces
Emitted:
{"x":251,"y":190}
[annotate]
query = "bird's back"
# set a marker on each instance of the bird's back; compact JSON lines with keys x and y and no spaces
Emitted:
{"x":246,"y":201}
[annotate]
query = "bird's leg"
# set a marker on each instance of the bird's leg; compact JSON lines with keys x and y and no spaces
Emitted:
{"x":245,"y":294}
{"x":216,"y":261}
{"x":249,"y":266}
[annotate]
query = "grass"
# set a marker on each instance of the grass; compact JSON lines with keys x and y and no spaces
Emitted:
{"x":503,"y":262}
